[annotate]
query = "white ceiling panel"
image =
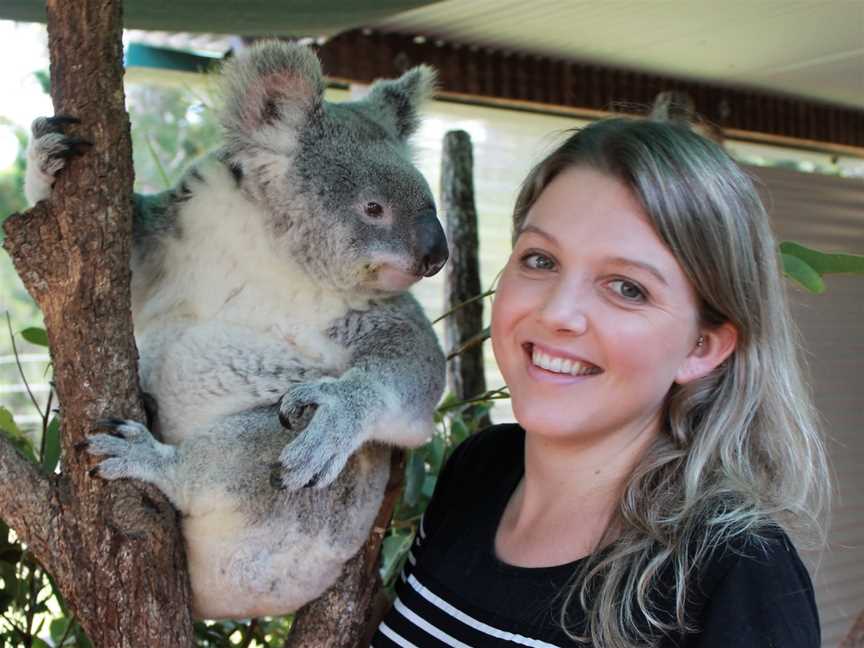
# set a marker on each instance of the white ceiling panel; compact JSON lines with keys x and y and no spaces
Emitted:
{"x":808,"y":48}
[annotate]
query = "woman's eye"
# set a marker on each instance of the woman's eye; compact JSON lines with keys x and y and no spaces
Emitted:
{"x":628,"y":290}
{"x":536,"y":261}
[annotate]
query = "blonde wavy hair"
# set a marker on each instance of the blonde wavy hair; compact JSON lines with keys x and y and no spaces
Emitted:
{"x":740,"y":451}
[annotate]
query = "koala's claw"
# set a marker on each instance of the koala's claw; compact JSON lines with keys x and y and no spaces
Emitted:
{"x":131,"y":450}
{"x":297,"y":418}
{"x":44,"y":125}
{"x":73,"y":146}
{"x":117,"y":427}
{"x":48,"y":152}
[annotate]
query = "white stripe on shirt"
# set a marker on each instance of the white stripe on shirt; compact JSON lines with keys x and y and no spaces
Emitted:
{"x":394,"y":636}
{"x":443,"y":605}
{"x":426,"y":626}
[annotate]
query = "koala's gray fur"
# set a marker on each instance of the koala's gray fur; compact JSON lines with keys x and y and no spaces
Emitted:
{"x":270,"y":286}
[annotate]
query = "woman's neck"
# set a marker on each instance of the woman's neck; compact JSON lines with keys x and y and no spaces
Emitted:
{"x":570,"y":490}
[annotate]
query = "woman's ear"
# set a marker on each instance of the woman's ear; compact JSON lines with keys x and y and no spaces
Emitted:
{"x":710,"y":349}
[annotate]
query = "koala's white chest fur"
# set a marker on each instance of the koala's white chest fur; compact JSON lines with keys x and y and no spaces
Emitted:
{"x":223,"y":266}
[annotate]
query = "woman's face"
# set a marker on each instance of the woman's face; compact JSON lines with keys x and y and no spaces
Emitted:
{"x":593,"y":319}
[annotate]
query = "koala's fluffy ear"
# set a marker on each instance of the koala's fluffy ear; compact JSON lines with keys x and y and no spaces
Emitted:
{"x":271,"y":84}
{"x":397,"y":101}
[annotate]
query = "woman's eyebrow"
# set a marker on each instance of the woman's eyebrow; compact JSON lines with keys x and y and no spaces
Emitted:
{"x":539,"y":232}
{"x":633,"y":263}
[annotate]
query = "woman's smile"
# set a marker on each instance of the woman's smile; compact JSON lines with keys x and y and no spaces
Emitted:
{"x":545,"y":363}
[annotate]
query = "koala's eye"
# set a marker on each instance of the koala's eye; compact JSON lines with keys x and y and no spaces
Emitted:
{"x":374,"y":210}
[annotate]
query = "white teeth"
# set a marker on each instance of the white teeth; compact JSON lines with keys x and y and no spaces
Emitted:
{"x":562,"y":365}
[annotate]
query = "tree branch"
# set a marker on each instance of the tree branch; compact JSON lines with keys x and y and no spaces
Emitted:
{"x":25,"y":499}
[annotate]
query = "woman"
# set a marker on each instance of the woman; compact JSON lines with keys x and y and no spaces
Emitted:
{"x":665,"y":441}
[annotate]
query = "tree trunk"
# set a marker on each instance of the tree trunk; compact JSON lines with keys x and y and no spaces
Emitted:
{"x":465,"y":374}
{"x":114,"y":549}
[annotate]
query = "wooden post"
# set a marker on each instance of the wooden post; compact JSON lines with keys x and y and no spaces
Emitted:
{"x":465,"y":377}
{"x":114,"y":550}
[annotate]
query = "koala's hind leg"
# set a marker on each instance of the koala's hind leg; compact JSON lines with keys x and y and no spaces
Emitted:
{"x":47,"y":154}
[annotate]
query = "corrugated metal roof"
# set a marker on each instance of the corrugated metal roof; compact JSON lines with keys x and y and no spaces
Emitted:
{"x":812,"y":48}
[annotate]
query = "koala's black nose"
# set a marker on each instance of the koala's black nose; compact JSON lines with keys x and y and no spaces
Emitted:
{"x":432,"y":244}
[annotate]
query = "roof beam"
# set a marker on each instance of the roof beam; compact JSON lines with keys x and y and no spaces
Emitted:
{"x":514,"y":79}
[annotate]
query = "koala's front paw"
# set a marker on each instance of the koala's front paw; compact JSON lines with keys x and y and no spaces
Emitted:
{"x":331,"y":416}
{"x":132,"y":451}
{"x":47,"y":154}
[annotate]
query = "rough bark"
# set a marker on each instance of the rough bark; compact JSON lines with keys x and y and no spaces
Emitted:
{"x":345,"y":615}
{"x":465,"y":376}
{"x":114,"y":549}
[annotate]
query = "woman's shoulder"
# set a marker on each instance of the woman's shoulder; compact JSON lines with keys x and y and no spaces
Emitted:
{"x":756,"y":591}
{"x":766,"y":553}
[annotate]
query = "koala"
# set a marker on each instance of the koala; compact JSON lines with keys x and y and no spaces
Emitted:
{"x":275,"y":328}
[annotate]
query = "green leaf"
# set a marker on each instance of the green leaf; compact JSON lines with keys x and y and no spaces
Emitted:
{"x":51,"y":446}
{"x":446,"y":403}
{"x":478,"y":412}
{"x":393,"y":551}
{"x":38,"y":643}
{"x":8,"y":424}
{"x":437,"y":450}
{"x":458,"y":431}
{"x":415,"y":473}
{"x":802,"y":272}
{"x":80,"y":638}
{"x":35,"y":335}
{"x":44,"y":79}
{"x":429,"y":485}
{"x":16,"y":437}
{"x":824,"y":262}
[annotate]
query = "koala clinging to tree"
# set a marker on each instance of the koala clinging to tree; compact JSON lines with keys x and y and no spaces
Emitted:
{"x":274,"y":328}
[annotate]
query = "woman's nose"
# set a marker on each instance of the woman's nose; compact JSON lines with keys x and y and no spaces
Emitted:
{"x":565,"y":310}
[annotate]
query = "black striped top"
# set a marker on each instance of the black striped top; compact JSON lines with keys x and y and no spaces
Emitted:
{"x":454,"y":591}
